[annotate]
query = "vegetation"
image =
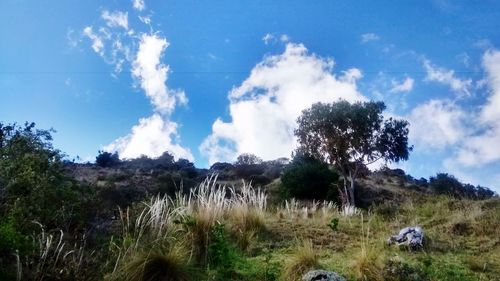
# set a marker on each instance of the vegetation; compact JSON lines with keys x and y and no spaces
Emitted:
{"x":163,"y":219}
{"x":308,"y":178}
{"x":107,"y":159}
{"x":351,"y":136}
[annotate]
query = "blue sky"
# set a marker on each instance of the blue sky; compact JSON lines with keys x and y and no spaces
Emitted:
{"x":209,"y":80}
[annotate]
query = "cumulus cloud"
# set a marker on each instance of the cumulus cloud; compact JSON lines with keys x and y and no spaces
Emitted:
{"x":152,"y":136}
{"x":138,"y":4}
{"x":152,"y":74}
{"x":447,"y":77}
{"x":115,"y":19}
{"x":484,"y":147}
{"x":367,"y":37}
{"x":97,"y":44}
{"x":437,"y":124}
{"x":404,"y":86}
{"x":264,"y":108}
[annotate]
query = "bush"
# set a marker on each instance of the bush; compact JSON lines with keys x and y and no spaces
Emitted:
{"x":308,"y":178}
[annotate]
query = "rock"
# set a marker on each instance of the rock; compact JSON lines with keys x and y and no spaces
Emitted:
{"x":322,"y":275}
{"x":409,"y":236}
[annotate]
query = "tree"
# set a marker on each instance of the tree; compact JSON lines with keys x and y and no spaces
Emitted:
{"x":308,"y":178}
{"x":351,"y":136}
{"x":248,"y":159}
{"x":107,"y":159}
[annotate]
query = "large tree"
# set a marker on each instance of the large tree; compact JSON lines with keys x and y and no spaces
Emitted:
{"x":351,"y":136}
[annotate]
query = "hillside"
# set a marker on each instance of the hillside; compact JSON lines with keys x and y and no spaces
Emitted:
{"x":286,"y":238}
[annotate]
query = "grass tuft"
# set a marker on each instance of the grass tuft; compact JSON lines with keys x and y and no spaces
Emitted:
{"x":304,"y":258}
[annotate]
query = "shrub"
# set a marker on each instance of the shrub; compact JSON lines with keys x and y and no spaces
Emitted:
{"x":221,"y":254}
{"x":308,"y":178}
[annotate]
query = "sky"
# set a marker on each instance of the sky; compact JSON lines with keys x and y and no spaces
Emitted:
{"x":210,"y":80}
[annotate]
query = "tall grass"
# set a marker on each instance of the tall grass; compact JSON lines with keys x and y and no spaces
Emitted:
{"x":367,"y":264}
{"x":53,"y":257}
{"x":190,"y":218}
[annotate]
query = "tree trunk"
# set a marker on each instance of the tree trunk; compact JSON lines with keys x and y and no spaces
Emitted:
{"x":351,"y":193}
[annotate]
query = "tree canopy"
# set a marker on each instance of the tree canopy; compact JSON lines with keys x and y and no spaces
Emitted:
{"x":248,"y":159}
{"x":351,"y":136}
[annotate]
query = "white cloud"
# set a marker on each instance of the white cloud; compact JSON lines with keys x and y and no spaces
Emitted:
{"x":268,"y":38}
{"x":151,"y":137}
{"x":139,"y":4}
{"x":437,"y":124}
{"x":152,"y":74}
{"x":405,"y":86}
{"x":367,"y":37}
{"x":97,"y":44}
{"x":115,"y":19}
{"x":284,"y":38}
{"x":264,"y":108}
{"x":447,"y":77}
{"x":484,"y":147}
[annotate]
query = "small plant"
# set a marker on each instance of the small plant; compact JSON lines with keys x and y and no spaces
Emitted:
{"x":221,"y":254}
{"x":271,"y":271}
{"x":333,"y":225}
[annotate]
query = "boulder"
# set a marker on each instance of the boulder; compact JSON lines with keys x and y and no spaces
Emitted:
{"x":409,"y":236}
{"x":322,"y":275}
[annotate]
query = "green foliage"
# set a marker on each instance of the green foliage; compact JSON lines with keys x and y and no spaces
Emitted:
{"x":34,"y":181}
{"x":11,"y":239}
{"x":307,"y":178}
{"x":34,"y":186}
{"x":351,"y":136}
{"x":334,"y":224}
{"x":221,"y":254}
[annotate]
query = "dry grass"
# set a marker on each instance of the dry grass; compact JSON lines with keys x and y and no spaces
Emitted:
{"x":303,"y":259}
{"x":53,"y":256}
{"x":156,"y":265}
{"x":367,"y":264}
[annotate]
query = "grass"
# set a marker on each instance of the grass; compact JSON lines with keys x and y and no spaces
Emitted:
{"x":156,"y":266}
{"x":303,"y":259}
